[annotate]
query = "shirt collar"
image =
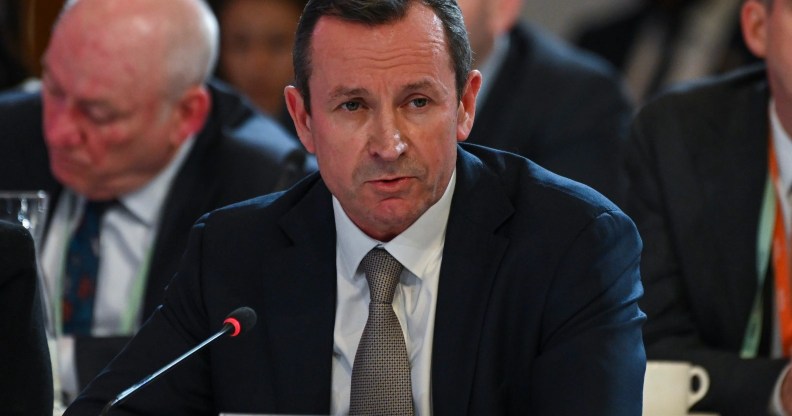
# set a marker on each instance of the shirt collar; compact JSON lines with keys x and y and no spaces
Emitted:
{"x":783,"y":147}
{"x":146,"y":202}
{"x":409,"y":247}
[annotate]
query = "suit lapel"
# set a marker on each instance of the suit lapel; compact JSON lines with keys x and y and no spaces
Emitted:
{"x":471,"y":258}
{"x":302,"y":317}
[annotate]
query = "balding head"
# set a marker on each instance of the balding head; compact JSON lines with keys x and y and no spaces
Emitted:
{"x":175,"y":38}
{"x":124,"y":88}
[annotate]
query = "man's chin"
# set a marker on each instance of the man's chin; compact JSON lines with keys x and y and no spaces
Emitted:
{"x":78,"y":184}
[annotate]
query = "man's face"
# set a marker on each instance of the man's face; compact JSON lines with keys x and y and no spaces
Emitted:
{"x":108,"y":126}
{"x":385,"y":117}
{"x":257,"y":37}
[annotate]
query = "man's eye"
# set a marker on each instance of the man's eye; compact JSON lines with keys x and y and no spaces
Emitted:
{"x":351,"y":106}
{"x":101,"y":117}
{"x":420,"y":102}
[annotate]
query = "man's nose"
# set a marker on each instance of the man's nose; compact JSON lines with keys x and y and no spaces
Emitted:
{"x":386,"y":140}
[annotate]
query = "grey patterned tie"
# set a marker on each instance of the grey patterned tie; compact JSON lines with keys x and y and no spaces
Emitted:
{"x":381,"y":374}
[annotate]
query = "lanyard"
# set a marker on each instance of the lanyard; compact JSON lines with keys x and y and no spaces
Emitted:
{"x":128,"y":319}
{"x":781,"y":266}
{"x":753,"y":331}
{"x":772,"y":233}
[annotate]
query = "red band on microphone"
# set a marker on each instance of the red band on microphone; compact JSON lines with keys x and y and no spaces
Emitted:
{"x":233,"y":322}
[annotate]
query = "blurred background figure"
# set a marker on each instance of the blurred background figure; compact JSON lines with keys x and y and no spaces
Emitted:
{"x":543,"y":99}
{"x":658,"y":43}
{"x":256,"y":38}
{"x":710,"y":178}
{"x":25,"y":372}
{"x":134,"y":141}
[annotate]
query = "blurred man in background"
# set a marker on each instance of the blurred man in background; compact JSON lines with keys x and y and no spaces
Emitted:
{"x":710,"y":169}
{"x":545,"y":100}
{"x":136,"y":144}
{"x":256,"y":39}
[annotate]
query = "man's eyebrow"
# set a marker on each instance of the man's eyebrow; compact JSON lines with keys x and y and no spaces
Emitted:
{"x":420,"y":85}
{"x":98,"y":104}
{"x":345,"y":92}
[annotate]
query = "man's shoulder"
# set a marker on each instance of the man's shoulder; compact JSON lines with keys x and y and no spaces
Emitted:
{"x":17,"y":107}
{"x":546,"y":81}
{"x":532,"y":188}
{"x":712,"y":97}
{"x":17,"y":97}
{"x":549,"y":59}
{"x":238,"y":141}
{"x":270,"y":207}
{"x":235,"y":119}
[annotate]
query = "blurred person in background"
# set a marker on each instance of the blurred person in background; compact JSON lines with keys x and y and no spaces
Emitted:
{"x":133,"y":141}
{"x":543,"y":99}
{"x":256,"y":38}
{"x":710,"y":172}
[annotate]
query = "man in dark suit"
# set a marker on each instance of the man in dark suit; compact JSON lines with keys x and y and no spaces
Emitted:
{"x":703,"y":199}
{"x":542,"y":99}
{"x":515,"y":291}
{"x":25,"y":372}
{"x":116,"y":135}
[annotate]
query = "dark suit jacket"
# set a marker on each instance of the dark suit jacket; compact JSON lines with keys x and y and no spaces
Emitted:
{"x":536,"y":311}
{"x":238,"y":154}
{"x":25,"y":371}
{"x":697,"y":165}
{"x":562,"y":108}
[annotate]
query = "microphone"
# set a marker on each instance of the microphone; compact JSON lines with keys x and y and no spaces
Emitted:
{"x":239,"y":321}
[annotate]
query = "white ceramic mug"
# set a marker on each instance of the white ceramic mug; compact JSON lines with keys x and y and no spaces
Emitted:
{"x":668,"y":387}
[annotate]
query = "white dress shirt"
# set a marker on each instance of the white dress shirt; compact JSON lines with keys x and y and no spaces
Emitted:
{"x":420,"y":250}
{"x":128,"y":230}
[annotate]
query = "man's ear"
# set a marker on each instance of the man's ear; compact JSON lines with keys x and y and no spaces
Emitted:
{"x":467,"y":105}
{"x":300,"y":117}
{"x":192,"y":110}
{"x":753,"y":20}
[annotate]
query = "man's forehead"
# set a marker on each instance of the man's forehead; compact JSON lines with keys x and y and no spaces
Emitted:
{"x":418,"y":37}
{"x":420,"y":22}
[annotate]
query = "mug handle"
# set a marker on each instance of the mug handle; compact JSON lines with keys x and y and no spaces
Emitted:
{"x":704,"y":382}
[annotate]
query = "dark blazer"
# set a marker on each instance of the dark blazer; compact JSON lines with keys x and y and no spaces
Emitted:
{"x":238,"y":154}
{"x":25,"y":370}
{"x":536,"y":311}
{"x":560,"y":107}
{"x":697,"y":164}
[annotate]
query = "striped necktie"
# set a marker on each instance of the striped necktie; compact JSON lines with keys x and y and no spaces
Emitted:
{"x":81,"y":269}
